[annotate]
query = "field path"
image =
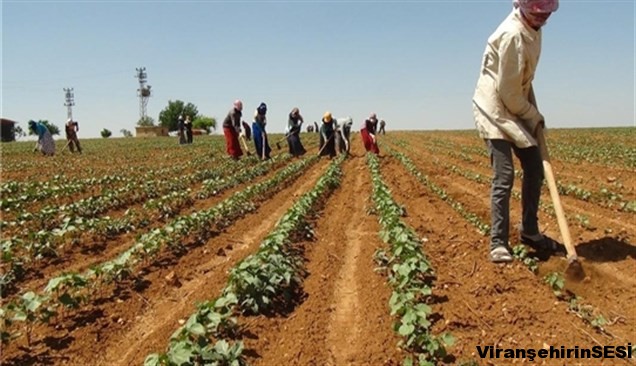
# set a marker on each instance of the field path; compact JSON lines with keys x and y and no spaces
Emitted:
{"x":344,"y":317}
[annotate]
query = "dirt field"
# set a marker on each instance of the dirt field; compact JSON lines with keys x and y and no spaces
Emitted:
{"x":338,"y":313}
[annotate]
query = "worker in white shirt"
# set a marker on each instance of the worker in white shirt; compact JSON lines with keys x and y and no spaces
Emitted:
{"x":507,"y":118}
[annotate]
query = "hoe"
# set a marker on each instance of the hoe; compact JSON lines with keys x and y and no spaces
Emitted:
{"x":574,"y":268}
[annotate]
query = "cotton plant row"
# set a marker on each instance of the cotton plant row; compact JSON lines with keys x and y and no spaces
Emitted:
{"x":604,"y":197}
{"x":213,"y":186}
{"x":136,"y":153}
{"x":411,"y":276}
{"x":70,"y":290}
{"x":547,"y":207}
{"x":519,"y":251}
{"x":255,"y":285}
{"x":620,"y":154}
{"x":555,"y":280}
{"x":483,"y":180}
{"x":471,"y":217}
{"x":140,"y":190}
{"x":14,"y":194}
{"x":576,"y":304}
{"x":18,"y":252}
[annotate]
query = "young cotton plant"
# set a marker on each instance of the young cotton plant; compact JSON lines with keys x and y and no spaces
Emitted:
{"x":274,"y":271}
{"x":410,"y":274}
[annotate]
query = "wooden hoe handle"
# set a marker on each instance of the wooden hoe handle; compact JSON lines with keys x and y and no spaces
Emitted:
{"x":554,"y":194}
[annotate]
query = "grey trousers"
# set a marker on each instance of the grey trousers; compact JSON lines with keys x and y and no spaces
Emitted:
{"x":502,"y":182}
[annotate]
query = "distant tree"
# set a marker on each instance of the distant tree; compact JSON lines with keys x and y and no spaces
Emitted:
{"x":53,"y":129}
{"x":169,"y":116}
{"x":204,"y":122}
{"x":106,"y":133}
{"x":146,"y":121}
{"x":126,"y":133}
{"x":17,"y":130}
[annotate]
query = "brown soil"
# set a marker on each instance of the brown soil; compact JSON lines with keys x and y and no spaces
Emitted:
{"x":341,"y":316}
{"x":482,"y":303}
{"x":343,"y":319}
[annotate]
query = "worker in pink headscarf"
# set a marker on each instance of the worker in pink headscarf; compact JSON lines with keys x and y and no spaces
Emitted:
{"x":507,"y":118}
{"x":232,"y":129}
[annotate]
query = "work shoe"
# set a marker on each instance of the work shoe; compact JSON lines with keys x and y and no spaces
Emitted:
{"x":541,"y":243}
{"x":500,"y":255}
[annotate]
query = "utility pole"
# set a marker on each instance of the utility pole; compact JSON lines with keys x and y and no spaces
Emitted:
{"x":70,"y":102}
{"x":143,"y":92}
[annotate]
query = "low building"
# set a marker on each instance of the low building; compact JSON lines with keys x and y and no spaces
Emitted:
{"x":151,"y":131}
{"x":7,"y":132}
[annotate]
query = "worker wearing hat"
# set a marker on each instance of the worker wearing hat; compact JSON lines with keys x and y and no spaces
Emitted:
{"x":327,"y":138}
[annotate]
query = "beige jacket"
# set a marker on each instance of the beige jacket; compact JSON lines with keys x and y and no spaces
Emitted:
{"x":503,"y":105}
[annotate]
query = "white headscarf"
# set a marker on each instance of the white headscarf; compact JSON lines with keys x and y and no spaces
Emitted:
{"x":536,"y":6}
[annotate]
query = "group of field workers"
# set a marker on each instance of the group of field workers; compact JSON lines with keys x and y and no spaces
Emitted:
{"x":45,"y":143}
{"x":505,"y":112}
{"x":506,"y":116}
{"x":335,"y":134}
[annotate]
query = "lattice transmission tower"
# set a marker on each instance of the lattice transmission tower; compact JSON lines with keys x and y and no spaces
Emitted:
{"x":143,"y":92}
{"x":69,"y":102}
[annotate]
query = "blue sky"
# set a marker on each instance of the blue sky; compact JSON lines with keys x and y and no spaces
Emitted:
{"x":414,"y":63}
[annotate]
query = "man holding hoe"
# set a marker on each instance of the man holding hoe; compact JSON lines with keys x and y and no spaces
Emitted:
{"x":508,"y":120}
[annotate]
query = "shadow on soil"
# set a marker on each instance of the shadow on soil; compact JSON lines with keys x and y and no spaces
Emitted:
{"x":32,"y":356}
{"x":606,"y":249}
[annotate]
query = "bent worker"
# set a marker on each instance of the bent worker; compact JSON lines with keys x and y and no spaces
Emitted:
{"x":508,"y":120}
{"x":71,"y":129}
{"x":294,"y":125}
{"x":382,"y":125}
{"x":259,"y":134}
{"x":327,"y":136}
{"x":368,"y":134}
{"x":232,"y":129}
{"x":343,"y":133}
{"x":45,"y":143}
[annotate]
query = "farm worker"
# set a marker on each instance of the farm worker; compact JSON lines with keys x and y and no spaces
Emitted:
{"x":247,"y":131}
{"x":188,"y":129}
{"x":316,"y":129}
{"x":368,"y":134}
{"x":382,"y":125}
{"x":327,"y":136}
{"x":343,"y":133}
{"x":45,"y":142}
{"x":294,"y":124}
{"x":71,"y":129}
{"x":181,"y":128}
{"x":258,"y":132}
{"x":231,"y":130}
{"x":507,"y":118}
